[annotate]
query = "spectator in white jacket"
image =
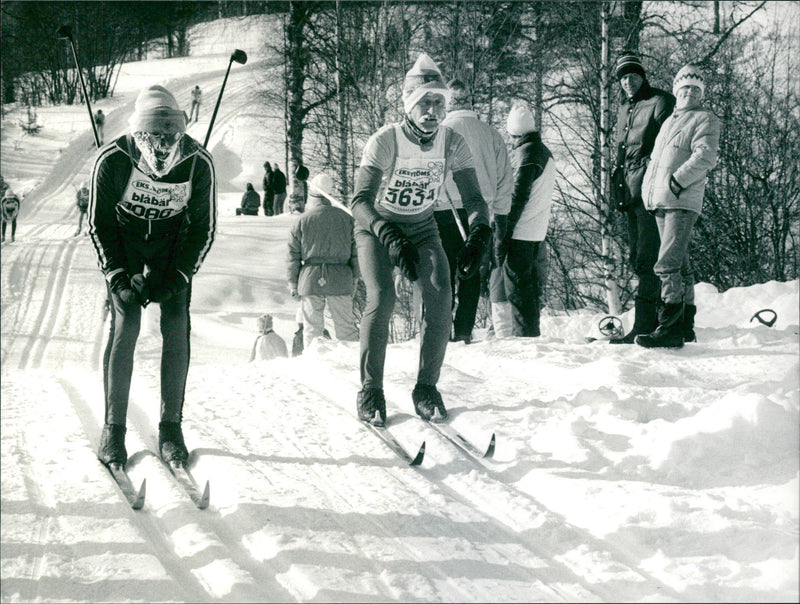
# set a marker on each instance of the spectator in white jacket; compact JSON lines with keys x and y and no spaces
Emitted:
{"x":495,"y":179}
{"x":522,"y":253}
{"x":685,"y":150}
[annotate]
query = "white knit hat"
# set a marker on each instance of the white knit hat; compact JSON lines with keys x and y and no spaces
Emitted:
{"x":422,"y":78}
{"x":156,"y":110}
{"x":690,"y":75}
{"x":520,"y":121}
{"x":321,"y":185}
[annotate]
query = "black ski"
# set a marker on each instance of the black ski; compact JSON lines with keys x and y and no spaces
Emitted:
{"x":395,"y":445}
{"x":462,"y":443}
{"x":187,"y":481}
{"x":120,"y":476}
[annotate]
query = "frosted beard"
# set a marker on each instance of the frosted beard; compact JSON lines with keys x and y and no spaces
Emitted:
{"x":159,"y":153}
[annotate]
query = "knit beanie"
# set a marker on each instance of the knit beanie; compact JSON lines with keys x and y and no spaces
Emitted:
{"x":520,"y":121}
{"x":156,"y":110}
{"x":690,"y":75}
{"x":628,"y":62}
{"x":422,"y":78}
{"x":459,"y":96}
{"x":321,"y":185}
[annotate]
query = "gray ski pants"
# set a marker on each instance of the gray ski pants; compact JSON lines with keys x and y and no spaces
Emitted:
{"x":433,"y":287}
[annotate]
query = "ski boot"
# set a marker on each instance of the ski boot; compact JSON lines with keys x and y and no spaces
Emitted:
{"x":371,"y":406}
{"x":112,"y":445}
{"x":428,"y":403}
{"x":170,"y":442}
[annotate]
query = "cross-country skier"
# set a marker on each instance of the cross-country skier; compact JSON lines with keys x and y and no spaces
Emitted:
{"x":152,"y":218}
{"x":9,"y":207}
{"x":82,"y":203}
{"x":398,"y":183}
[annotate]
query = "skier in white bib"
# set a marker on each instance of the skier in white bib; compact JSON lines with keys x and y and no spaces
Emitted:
{"x":398,"y":183}
{"x":152,"y":219}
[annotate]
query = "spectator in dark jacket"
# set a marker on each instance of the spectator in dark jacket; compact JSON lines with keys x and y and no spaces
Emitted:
{"x":522,"y":254}
{"x":269,"y":194}
{"x":250,"y":202}
{"x":642,"y":111}
{"x":278,"y":189}
{"x":323,"y":264}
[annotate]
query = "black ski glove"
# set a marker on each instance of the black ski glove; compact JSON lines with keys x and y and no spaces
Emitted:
{"x":140,"y":285}
{"x":120,"y":284}
{"x":403,"y":254}
{"x":675,"y":187}
{"x":469,"y":260}
{"x":171,"y":284}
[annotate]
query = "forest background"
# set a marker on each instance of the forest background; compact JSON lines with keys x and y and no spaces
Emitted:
{"x":344,"y":63}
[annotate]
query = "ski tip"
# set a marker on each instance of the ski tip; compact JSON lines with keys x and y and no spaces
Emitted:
{"x":138,"y":503}
{"x":419,"y":457}
{"x":205,"y":497}
{"x":490,"y":450}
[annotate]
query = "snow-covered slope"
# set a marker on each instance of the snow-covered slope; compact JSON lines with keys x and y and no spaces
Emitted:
{"x":621,"y":474}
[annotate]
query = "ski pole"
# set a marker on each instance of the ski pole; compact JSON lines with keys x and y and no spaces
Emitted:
{"x":240,"y":57}
{"x":65,"y":33}
{"x":455,"y":215}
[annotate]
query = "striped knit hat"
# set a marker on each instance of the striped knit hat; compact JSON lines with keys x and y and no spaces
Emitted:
{"x":690,"y":75}
{"x":629,"y":62}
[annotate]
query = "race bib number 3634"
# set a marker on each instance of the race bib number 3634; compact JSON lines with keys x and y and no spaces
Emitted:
{"x":412,"y":190}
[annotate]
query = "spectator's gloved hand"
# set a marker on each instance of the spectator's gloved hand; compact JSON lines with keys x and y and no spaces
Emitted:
{"x":140,"y":285}
{"x":675,"y":187}
{"x":172,"y":284}
{"x":500,"y":239}
{"x":120,"y":284}
{"x":403,"y":254}
{"x":293,"y":291}
{"x":469,"y":260}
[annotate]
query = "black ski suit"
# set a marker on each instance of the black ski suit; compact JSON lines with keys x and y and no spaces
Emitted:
{"x":143,"y":224}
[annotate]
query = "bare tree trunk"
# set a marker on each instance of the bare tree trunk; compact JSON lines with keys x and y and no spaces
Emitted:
{"x":344,"y":186}
{"x":716,"y":17}
{"x":612,"y":290}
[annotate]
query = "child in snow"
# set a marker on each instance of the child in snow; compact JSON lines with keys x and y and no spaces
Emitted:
{"x":10,"y":209}
{"x":398,"y":183}
{"x":82,"y":203}
{"x":268,"y":344}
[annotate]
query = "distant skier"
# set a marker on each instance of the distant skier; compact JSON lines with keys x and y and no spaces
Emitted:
{"x":401,"y":176}
{"x":197,"y":97}
{"x":268,"y":344}
{"x":100,"y":122}
{"x":152,"y":219}
{"x":82,"y":203}
{"x":9,"y":206}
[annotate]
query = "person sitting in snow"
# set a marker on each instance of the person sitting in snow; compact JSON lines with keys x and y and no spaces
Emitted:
{"x":152,"y":220}
{"x":82,"y":203}
{"x":268,"y":344}
{"x":9,"y":207}
{"x":398,"y":183}
{"x":250,"y":202}
{"x":323,"y":265}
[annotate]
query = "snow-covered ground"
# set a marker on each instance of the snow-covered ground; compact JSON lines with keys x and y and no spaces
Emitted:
{"x":621,"y":474}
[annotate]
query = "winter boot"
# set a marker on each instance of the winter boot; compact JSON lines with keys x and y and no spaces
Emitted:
{"x":170,"y":442}
{"x":645,"y":321}
{"x":428,"y":403}
{"x":687,"y":325}
{"x":669,"y":332}
{"x":112,"y":445}
{"x":371,"y":406}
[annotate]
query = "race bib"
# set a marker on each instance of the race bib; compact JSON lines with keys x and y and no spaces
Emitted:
{"x":151,"y":200}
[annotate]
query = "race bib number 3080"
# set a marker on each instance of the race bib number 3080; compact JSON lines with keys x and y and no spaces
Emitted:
{"x":411,"y":189}
{"x":145,"y":198}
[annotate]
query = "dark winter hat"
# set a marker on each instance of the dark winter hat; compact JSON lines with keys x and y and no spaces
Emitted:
{"x":629,"y":62}
{"x":301,"y":172}
{"x":459,"y":95}
{"x":422,"y":78}
{"x":690,"y":75}
{"x":156,"y":110}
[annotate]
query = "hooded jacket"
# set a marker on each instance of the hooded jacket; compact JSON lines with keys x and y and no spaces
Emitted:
{"x":322,"y":259}
{"x":686,"y":148}
{"x":534,"y":181}
{"x":638,"y":122}
{"x":136,"y":219}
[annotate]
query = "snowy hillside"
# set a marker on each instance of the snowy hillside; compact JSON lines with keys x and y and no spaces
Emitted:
{"x":620,"y":473}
